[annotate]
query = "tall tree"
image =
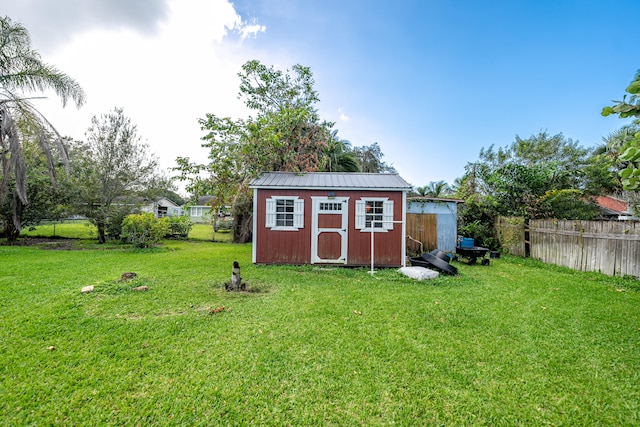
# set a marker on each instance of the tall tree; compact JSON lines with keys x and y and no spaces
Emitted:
{"x":519,"y":175}
{"x":562,"y":155}
{"x":369,"y":158}
{"x":113,"y":169}
{"x":286,"y":134}
{"x":540,"y":176}
{"x":22,"y":71}
{"x":629,"y":107}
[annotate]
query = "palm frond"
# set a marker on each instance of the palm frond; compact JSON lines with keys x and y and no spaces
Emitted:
{"x":23,"y":71}
{"x":22,"y":68}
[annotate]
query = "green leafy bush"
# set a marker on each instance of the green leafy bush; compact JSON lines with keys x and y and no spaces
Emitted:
{"x":144,"y":230}
{"x":476,"y":219}
{"x":567,"y":204}
{"x":179,"y":226}
{"x":114,"y":220}
{"x":481,"y":232}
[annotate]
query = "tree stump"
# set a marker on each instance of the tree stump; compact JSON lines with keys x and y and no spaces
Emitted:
{"x":236,"y":280}
{"x":127,"y":276}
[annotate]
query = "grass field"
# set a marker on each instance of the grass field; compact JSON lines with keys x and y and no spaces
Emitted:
{"x":514,"y":343}
{"x":72,"y":229}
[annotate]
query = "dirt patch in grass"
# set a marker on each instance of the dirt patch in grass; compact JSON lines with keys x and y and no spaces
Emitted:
{"x":49,"y":243}
{"x":247,"y":288}
{"x":71,"y":243}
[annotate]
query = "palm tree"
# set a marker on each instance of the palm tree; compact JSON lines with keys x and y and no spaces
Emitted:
{"x":338,"y":155}
{"x":614,"y":143}
{"x":23,"y":71}
{"x":435,"y":189}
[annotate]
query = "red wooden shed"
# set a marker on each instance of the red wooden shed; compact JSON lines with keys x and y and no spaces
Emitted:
{"x":329,"y":218}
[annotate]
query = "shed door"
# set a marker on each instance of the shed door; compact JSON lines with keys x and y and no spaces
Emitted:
{"x":422,"y":228}
{"x":329,"y":230}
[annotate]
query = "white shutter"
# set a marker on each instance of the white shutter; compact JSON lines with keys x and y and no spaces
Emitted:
{"x":360,"y":214}
{"x":298,"y":213}
{"x":387,"y":215}
{"x":270,"y":220}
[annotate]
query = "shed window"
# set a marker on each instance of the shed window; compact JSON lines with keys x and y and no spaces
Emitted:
{"x":374,"y":213}
{"x":331,"y":207}
{"x":285,"y":213}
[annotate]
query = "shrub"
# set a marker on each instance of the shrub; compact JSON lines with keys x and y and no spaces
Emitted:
{"x":476,"y":219}
{"x":144,"y":230}
{"x":481,"y":232}
{"x":179,"y":226}
{"x":567,"y":204}
{"x":114,"y":220}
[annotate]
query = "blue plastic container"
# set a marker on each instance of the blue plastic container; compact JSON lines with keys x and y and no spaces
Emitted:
{"x":466,"y":242}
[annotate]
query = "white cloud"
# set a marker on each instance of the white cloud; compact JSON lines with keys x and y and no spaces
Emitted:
{"x":164,"y":82}
{"x":252,"y":30}
{"x":51,"y":23}
{"x":343,"y":116}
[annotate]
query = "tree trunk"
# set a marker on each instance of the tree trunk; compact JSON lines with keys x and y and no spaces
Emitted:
{"x":12,"y":222}
{"x":10,"y":231}
{"x":243,"y":228}
{"x":101,"y":233}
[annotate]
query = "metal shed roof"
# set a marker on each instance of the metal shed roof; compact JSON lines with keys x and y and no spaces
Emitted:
{"x":331,"y":180}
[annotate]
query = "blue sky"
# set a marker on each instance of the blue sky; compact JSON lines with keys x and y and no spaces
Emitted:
{"x":431,"y":81}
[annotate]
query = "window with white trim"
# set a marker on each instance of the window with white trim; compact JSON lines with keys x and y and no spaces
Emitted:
{"x":285,"y":213}
{"x":199,"y":211}
{"x":374,"y":213}
{"x":330,"y":207}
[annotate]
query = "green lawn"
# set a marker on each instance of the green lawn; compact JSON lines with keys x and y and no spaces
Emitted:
{"x":70,"y":229}
{"x":514,"y":343}
{"x":74,"y":229}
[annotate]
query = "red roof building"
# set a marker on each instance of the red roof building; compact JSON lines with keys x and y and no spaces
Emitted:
{"x":614,"y":208}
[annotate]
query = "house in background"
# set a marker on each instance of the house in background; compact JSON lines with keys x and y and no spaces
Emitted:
{"x":162,"y":207}
{"x":433,"y":222}
{"x":613,"y":208}
{"x":329,"y":218}
{"x":200,"y":211}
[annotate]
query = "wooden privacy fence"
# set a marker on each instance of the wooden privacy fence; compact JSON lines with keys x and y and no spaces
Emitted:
{"x":610,"y":247}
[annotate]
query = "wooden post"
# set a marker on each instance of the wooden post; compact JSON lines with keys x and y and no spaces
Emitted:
{"x":236,"y":280}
